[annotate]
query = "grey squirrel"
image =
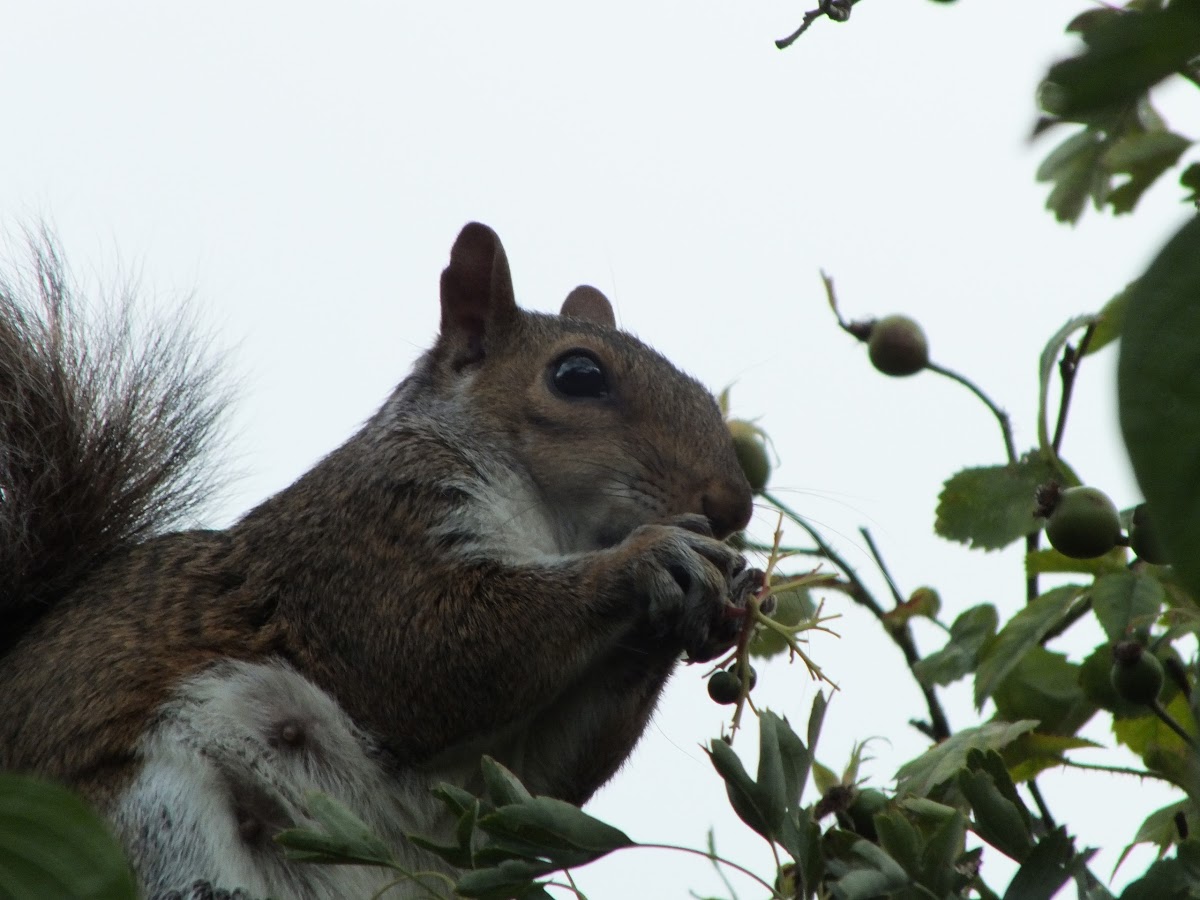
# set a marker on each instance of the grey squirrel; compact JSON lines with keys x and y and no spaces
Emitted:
{"x":509,"y":558}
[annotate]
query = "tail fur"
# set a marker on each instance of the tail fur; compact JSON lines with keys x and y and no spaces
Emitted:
{"x":104,"y":429}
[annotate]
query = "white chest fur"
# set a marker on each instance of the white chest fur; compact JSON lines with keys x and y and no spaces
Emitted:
{"x":228,"y":763}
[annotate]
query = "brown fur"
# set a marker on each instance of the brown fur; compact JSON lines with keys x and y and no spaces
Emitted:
{"x":489,"y":565}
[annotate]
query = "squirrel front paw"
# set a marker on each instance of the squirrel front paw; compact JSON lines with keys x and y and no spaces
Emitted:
{"x":689,"y":585}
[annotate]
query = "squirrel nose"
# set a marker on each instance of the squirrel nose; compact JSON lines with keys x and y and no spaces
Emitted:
{"x":727,"y":505}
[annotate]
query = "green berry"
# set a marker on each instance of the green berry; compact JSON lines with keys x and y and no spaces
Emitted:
{"x":897,"y":346}
{"x":751,"y":453}
{"x":1143,"y":537}
{"x":1137,"y":676}
{"x":724,"y":687}
{"x":1083,"y":524}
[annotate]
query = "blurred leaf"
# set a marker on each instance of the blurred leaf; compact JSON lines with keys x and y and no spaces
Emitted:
{"x":1044,"y":686}
{"x":1075,"y":168}
{"x":801,"y":838}
{"x":1109,"y":321}
{"x":900,"y":840}
{"x":1159,"y":393}
{"x":939,"y":862}
{"x":53,"y":845}
{"x":1161,"y":827}
{"x":942,"y":762}
{"x":1170,"y":879}
{"x":824,"y":777}
{"x":1050,"y":562}
{"x":791,"y":608}
{"x":1126,"y":600}
{"x":795,"y":759}
{"x":1143,"y":156}
{"x":1021,"y":633}
{"x":1126,"y":55}
{"x":876,"y":874}
{"x":924,"y":602}
{"x":1190,"y":179}
{"x":815,"y":719}
{"x":772,"y":785}
{"x":1045,"y":870}
{"x":970,"y":631}
{"x":1032,"y":753}
{"x":990,"y":507}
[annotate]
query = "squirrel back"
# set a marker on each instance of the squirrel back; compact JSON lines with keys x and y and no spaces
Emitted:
{"x":509,"y":558}
{"x":104,"y":434}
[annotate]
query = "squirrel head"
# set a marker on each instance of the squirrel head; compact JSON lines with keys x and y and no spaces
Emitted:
{"x":611,"y":434}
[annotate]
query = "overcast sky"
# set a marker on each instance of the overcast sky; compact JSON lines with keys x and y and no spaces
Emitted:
{"x":302,"y":169}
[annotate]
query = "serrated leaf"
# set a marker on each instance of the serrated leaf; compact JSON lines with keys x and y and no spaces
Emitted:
{"x":55,"y":846}
{"x":970,"y":631}
{"x":900,"y":840}
{"x":942,"y":762}
{"x":1158,"y":381}
{"x":1143,"y":156}
{"x":992,"y":506}
{"x":939,"y":869}
{"x":1022,"y":632}
{"x":1126,"y":56}
{"x":1161,"y":827}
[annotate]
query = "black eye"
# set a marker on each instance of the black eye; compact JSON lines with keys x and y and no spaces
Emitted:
{"x":578,"y":375}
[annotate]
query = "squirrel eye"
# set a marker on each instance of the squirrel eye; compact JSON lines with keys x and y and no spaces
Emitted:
{"x":578,"y":375}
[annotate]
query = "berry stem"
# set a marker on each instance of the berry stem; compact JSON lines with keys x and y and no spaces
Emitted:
{"x":1001,"y":416}
{"x":1171,"y":722}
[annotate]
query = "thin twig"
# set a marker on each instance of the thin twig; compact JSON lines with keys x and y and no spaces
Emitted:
{"x":1073,"y":615}
{"x":1068,"y":367}
{"x":883,"y":569}
{"x":1001,"y":416}
{"x":811,"y":16}
{"x":939,"y":727}
{"x":1115,"y":770}
{"x":1043,"y":810}
{"x":1170,"y":721}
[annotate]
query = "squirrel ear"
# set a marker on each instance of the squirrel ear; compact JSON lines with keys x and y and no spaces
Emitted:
{"x":587,"y":303}
{"x":477,"y":292}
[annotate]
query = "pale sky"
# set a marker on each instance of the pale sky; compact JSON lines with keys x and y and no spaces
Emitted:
{"x":302,"y":170}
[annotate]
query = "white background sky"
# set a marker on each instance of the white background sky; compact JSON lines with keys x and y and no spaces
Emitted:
{"x":303,"y":169}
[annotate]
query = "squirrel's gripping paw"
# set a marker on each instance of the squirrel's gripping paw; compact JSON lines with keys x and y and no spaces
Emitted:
{"x":692,"y":587}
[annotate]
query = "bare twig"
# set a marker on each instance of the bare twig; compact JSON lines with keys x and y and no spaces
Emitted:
{"x":1068,"y":367}
{"x":883,"y":569}
{"x":1001,"y":416}
{"x":838,"y":10}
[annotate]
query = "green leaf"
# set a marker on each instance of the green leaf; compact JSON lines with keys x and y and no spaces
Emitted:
{"x":1161,"y":827}
{"x":502,"y":786}
{"x":1190,"y":179}
{"x":512,"y":878}
{"x":795,"y":759}
{"x":346,"y":839}
{"x":1126,"y":56}
{"x":744,"y":795}
{"x":53,"y":845}
{"x":563,"y":832}
{"x":990,"y":507}
{"x":1044,"y":686}
{"x":802,"y":839}
{"x":772,"y":786}
{"x":939,"y":872}
{"x":1075,"y":168}
{"x":1125,"y":601}
{"x":1032,"y":753}
{"x":1170,"y":879}
{"x":815,"y":718}
{"x":997,"y":820}
{"x":1047,"y":366}
{"x":970,"y":631}
{"x":900,"y":840}
{"x":824,"y":777}
{"x":1045,"y":870}
{"x":942,"y":762}
{"x":1109,"y":321}
{"x":1022,"y":633}
{"x":879,"y":875}
{"x":1050,"y":562}
{"x":1143,"y":156}
{"x":1158,"y":382}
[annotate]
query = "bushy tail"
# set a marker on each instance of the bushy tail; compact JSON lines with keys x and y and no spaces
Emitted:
{"x":103,"y":433}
